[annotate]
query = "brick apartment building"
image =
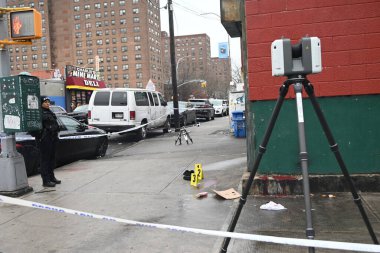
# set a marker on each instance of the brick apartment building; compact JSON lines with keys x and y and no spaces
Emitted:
{"x":194,"y":62}
{"x":123,"y":36}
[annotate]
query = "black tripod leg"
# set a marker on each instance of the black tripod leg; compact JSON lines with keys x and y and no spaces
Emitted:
{"x":262,"y":148}
{"x":334,"y":148}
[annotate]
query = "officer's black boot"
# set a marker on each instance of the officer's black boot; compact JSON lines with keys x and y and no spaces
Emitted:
{"x":54,"y":180}
{"x":48,"y":184}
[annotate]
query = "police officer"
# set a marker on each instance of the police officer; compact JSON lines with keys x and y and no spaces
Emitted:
{"x":48,"y":143}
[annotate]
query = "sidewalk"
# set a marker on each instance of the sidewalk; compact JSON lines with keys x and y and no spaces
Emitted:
{"x":144,"y":183}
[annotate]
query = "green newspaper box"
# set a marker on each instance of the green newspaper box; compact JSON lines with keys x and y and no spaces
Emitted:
{"x":20,"y":103}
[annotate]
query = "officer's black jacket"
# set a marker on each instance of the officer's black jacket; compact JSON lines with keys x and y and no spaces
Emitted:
{"x":50,"y":127}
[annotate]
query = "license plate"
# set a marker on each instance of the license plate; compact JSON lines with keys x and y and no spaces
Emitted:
{"x":117,"y":115}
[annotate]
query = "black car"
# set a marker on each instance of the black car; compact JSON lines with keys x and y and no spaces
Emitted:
{"x":80,"y":113}
{"x":186,"y":113}
{"x":76,"y":141}
{"x":203,"y":108}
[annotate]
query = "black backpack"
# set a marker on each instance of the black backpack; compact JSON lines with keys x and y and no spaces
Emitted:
{"x":37,"y":134}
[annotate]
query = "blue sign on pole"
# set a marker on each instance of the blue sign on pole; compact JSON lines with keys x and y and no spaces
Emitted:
{"x":223,"y":50}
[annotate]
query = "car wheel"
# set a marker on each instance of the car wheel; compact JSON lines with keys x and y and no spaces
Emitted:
{"x":141,"y":132}
{"x":166,"y":126}
{"x":101,"y":150}
{"x":208,"y":117}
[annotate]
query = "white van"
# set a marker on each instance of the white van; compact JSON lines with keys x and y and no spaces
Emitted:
{"x":118,"y":109}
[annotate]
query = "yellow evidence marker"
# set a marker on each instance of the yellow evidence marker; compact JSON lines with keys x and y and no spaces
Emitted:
{"x":198,"y":171}
{"x":194,"y":180}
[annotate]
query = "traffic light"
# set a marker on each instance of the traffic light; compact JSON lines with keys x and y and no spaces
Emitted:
{"x":25,"y":24}
{"x":203,"y":84}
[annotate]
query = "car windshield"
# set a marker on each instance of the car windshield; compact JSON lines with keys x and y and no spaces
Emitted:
{"x":217,"y":102}
{"x":82,"y":108}
{"x":56,"y":109}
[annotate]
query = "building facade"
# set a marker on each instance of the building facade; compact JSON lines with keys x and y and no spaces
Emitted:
{"x":120,"y":39}
{"x":193,"y":62}
{"x":348,"y":87}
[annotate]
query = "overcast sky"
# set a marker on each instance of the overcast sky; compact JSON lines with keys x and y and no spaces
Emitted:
{"x":189,"y":17}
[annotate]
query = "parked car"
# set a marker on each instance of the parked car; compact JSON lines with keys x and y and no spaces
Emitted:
{"x":186,"y":113}
{"x":220,"y":106}
{"x":203,"y":108}
{"x":58,"y":110}
{"x":76,"y":141}
{"x":120,"y":109}
{"x":80,"y":113}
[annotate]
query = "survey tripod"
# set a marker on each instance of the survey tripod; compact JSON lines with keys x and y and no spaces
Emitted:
{"x":183,"y":132}
{"x":298,"y":82}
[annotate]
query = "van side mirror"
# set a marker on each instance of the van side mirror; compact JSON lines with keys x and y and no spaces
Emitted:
{"x":164,"y":103}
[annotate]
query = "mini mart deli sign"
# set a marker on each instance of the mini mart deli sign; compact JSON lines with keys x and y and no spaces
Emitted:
{"x":82,"y":78}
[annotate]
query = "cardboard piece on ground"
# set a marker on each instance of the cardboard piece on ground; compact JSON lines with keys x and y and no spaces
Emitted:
{"x":228,"y":194}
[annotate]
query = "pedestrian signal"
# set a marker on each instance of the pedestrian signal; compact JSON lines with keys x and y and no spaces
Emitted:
{"x":203,"y":84}
{"x":25,"y":24}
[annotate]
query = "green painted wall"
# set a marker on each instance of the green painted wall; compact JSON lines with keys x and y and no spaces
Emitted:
{"x":353,"y":120}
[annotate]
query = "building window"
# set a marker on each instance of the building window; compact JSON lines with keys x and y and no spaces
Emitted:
{"x":24,"y":57}
{"x":123,"y":30}
{"x":87,"y":16}
{"x":138,"y":47}
{"x":87,"y":7}
{"x":135,"y":11}
{"x":123,"y":39}
{"x":89,"y":43}
{"x":123,"y":21}
{"x":99,"y":42}
{"x":122,"y":2}
{"x":78,"y":35}
{"x":124,"y":49}
{"x":115,"y":67}
{"x":77,"y":26}
{"x":115,"y":58}
{"x":136,"y":29}
{"x":125,"y":66}
{"x":76,"y":8}
{"x":114,"y":50}
{"x":88,"y":34}
{"x":124,"y":58}
{"x":125,"y":76}
{"x":98,"y":15}
{"x":136,"y":20}
{"x":139,"y":85}
{"x":113,"y":40}
{"x":122,"y":12}
{"x":138,"y":65}
{"x":138,"y":57}
{"x":79,"y":53}
{"x":89,"y":51}
{"x":34,"y":65}
{"x":100,"y":51}
{"x":135,"y":1}
{"x":97,"y":6}
{"x":137,"y":38}
{"x":44,"y":56}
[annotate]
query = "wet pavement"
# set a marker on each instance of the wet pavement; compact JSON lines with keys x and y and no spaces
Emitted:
{"x":143,"y":182}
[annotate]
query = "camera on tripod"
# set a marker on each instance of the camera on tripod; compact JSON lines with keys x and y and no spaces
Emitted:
{"x":300,"y":59}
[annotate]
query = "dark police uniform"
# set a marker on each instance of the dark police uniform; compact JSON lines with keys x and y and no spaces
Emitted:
{"x":48,"y":141}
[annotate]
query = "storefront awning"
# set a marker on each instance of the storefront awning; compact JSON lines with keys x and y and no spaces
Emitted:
{"x":83,"y":83}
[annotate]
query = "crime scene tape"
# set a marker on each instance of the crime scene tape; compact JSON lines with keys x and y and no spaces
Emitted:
{"x":253,"y":237}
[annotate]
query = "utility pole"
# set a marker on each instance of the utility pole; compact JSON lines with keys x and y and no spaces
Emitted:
{"x":173,"y":67}
{"x":13,"y":179}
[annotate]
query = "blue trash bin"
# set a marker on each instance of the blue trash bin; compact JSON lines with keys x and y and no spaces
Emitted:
{"x":239,"y":128}
{"x":237,"y":115}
